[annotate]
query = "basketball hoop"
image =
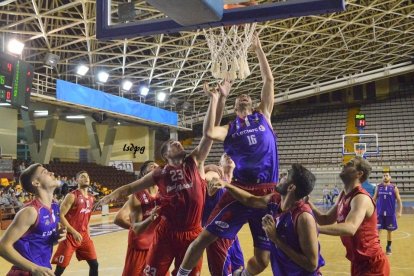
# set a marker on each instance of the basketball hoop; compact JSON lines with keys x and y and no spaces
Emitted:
{"x":360,"y":149}
{"x":228,"y":47}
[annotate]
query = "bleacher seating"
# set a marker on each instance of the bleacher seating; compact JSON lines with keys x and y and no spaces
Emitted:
{"x":107,"y":176}
{"x":393,"y":121}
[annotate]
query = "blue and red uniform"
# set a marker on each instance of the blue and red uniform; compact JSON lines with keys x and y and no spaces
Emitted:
{"x":230,"y":247}
{"x":363,"y":248}
{"x":182,"y":194}
{"x":252,"y":145}
{"x":386,"y":207}
{"x":286,"y":227}
{"x":139,"y":244}
{"x":36,"y":244}
{"x":78,"y":217}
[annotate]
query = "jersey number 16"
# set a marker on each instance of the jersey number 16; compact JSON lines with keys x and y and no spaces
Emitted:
{"x":252,"y":140}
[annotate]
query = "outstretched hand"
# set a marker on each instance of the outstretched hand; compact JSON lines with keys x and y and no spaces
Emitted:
{"x":107,"y":199}
{"x":224,"y":88}
{"x":214,"y":185}
{"x":269,"y":226}
{"x":210,"y":92}
{"x":255,"y":42}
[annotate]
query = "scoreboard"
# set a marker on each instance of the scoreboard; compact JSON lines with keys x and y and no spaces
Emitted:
{"x":16,"y":78}
{"x":360,"y":121}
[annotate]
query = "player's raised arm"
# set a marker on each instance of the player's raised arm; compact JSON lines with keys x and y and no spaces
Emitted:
{"x":268,"y":91}
{"x":210,"y":131}
{"x":21,"y":224}
{"x":138,"y":185}
{"x":210,"y":128}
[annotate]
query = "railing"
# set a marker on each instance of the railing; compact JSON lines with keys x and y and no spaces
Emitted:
{"x":44,"y":85}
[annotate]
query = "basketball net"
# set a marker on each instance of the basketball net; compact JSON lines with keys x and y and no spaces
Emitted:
{"x":228,"y":47}
{"x":360,"y":149}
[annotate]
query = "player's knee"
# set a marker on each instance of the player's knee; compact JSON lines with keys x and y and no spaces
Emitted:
{"x":203,"y":241}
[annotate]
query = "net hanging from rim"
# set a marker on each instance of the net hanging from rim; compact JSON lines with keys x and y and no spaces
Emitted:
{"x":229,"y":46}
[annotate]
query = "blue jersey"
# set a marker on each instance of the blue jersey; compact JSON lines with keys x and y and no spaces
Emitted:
{"x":210,"y":204}
{"x":386,"y":200}
{"x":252,"y":145}
{"x":36,"y":244}
{"x":286,"y":227}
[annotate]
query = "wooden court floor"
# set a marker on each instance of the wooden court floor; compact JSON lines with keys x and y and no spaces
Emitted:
{"x":111,"y":252}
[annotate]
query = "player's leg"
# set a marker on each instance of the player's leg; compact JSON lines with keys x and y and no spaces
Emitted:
{"x":86,"y":251}
{"x":195,"y":251}
{"x":391,"y":223}
{"x":161,"y":253}
{"x":225,"y":222}
{"x":182,"y":242}
{"x":236,"y":255}
{"x":93,"y":267}
{"x":261,"y":242}
{"x":63,"y":255}
{"x":218,"y":256}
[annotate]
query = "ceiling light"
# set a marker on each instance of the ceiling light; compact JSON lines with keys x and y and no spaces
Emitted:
{"x":161,"y":96}
{"x":103,"y":77}
{"x":15,"y":47}
{"x":143,"y":90}
{"x":40,"y":113}
{"x":51,"y":60}
{"x":126,"y":85}
{"x":81,"y":70}
{"x":75,"y":117}
{"x":5,"y":104}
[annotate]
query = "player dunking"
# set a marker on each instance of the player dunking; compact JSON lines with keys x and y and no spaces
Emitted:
{"x":234,"y":257}
{"x":295,"y":248}
{"x":385,"y":196}
{"x":76,"y":210}
{"x":182,"y":191}
{"x":356,"y":218}
{"x":28,"y":241}
{"x":250,"y":142}
{"x":138,"y":215}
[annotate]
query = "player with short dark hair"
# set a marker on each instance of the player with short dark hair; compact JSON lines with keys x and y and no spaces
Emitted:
{"x":76,"y":211}
{"x":290,"y":225}
{"x":385,"y":196}
{"x":139,"y":215}
{"x":28,"y":241}
{"x":354,"y":219}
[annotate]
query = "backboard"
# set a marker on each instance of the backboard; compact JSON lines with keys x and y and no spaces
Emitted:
{"x":360,"y":144}
{"x":112,"y":23}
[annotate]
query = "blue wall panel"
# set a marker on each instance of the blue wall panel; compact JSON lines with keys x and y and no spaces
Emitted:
{"x":77,"y":94}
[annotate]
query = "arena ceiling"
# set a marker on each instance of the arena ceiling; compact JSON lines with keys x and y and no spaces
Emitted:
{"x":371,"y":34}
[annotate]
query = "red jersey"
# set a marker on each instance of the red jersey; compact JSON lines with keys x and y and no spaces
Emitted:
{"x":182,"y":192}
{"x":143,"y":240}
{"x":364,"y":244}
{"x":81,"y":211}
